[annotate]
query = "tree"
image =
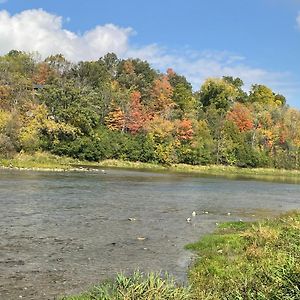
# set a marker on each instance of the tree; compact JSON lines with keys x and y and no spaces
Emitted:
{"x":241,"y":116}
{"x":264,"y":95}
{"x":136,"y":75}
{"x":184,"y":130}
{"x":176,"y":79}
{"x":41,"y":74}
{"x":59,"y":64}
{"x":115,"y":120}
{"x":238,"y":84}
{"x":137,"y":115}
{"x":217,"y":92}
{"x":93,"y":73}
{"x":70,"y":103}
{"x":161,"y":97}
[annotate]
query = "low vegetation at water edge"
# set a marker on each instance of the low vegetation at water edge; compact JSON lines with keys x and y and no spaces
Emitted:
{"x":136,"y":287}
{"x":251,"y":261}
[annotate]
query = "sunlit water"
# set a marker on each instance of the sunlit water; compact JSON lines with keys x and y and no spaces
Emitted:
{"x":62,"y":232}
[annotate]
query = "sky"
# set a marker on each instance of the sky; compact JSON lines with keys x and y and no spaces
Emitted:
{"x":257,"y":40}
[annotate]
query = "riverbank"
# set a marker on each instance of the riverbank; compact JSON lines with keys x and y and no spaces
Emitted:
{"x":50,"y":162}
{"x":239,"y":260}
{"x":249,"y":261}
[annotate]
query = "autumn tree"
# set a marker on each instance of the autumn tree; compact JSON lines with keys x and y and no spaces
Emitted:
{"x":41,"y":74}
{"x":160,"y":132}
{"x":241,"y":116}
{"x":115,"y":120}
{"x":184,"y":130}
{"x":161,"y":97}
{"x":137,"y":115}
{"x":137,"y":75}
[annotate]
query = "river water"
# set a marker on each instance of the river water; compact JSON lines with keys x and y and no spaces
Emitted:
{"x":61,"y":232}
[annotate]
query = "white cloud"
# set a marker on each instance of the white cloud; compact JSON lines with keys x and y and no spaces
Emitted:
{"x":38,"y":30}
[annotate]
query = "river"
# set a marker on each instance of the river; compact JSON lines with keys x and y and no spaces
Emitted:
{"x":61,"y":232}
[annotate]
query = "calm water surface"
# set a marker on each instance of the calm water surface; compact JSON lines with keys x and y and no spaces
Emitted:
{"x":62,"y":232}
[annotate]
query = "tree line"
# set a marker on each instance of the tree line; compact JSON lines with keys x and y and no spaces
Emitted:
{"x":116,"y":108}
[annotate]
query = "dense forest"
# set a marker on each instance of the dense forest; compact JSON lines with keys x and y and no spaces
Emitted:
{"x":124,"y":109}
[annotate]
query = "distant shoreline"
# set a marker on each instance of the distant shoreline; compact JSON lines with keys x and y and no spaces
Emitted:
{"x":42,"y":161}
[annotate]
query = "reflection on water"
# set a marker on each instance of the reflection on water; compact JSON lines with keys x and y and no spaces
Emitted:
{"x":60,"y":232}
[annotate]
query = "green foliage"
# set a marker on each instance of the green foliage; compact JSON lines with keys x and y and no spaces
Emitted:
{"x":262,"y":94}
{"x":218,"y":92}
{"x":72,"y":104}
{"x":249,"y":261}
{"x":139,"y":287}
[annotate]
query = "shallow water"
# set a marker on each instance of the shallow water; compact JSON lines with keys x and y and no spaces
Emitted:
{"x":62,"y":232}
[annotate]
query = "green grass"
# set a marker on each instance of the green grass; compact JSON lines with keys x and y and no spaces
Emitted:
{"x":40,"y":161}
{"x":136,"y":287}
{"x":211,"y":170}
{"x":249,"y":261}
{"x":240,"y":261}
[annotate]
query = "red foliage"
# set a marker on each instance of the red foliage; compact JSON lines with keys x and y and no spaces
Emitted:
{"x":241,"y":116}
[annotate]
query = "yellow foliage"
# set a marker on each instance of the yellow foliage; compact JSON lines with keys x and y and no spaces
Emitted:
{"x":4,"y":118}
{"x":160,"y":128}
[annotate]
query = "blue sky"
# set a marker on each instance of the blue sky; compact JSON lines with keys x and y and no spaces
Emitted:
{"x":257,"y":40}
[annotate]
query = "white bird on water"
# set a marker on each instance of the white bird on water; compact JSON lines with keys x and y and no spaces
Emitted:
{"x":194,"y":214}
{"x":188,"y":220}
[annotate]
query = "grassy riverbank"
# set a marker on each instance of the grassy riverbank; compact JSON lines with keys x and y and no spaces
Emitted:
{"x":46,"y":161}
{"x":240,"y":260}
{"x":41,"y":161}
{"x":249,"y":261}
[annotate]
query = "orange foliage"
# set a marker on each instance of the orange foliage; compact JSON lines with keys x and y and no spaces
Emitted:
{"x":137,"y":115}
{"x":115,"y":119}
{"x":161,"y":95}
{"x":241,"y":116}
{"x":185,"y":130}
{"x":42,"y":74}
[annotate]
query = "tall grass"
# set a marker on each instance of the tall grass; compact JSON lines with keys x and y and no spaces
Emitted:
{"x":249,"y":261}
{"x":136,"y":287}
